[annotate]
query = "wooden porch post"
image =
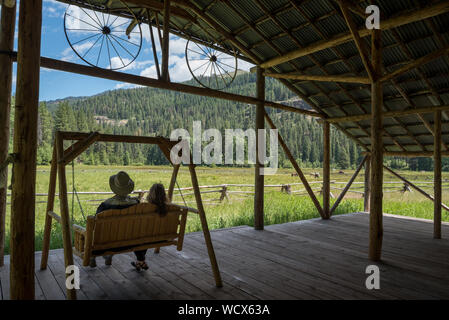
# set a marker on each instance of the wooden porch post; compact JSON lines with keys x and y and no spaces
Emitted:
{"x":259,"y":178}
{"x":25,"y":146}
{"x":376,"y":224}
{"x":8,"y":21}
{"x":326,"y":168}
{"x":64,"y":207}
{"x":367,"y":185}
{"x":437,"y":176}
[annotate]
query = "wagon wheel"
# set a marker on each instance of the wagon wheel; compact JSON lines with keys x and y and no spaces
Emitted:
{"x":211,"y":68}
{"x":108,"y":38}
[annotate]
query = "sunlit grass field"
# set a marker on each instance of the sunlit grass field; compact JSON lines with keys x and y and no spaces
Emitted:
{"x":238,"y":210}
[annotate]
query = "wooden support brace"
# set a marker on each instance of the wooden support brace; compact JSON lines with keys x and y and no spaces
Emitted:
{"x":79,"y":147}
{"x":173,"y":182}
{"x":361,"y":47}
{"x":205,"y":227}
{"x":298,"y":170}
{"x":414,"y":186}
{"x":345,"y":190}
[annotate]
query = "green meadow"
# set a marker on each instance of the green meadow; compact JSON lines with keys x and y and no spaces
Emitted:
{"x":238,"y":208}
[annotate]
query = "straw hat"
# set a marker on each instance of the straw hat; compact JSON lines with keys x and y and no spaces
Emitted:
{"x":121,"y":184}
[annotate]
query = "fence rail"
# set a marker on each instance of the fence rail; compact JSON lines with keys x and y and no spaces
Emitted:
{"x":225,"y":193}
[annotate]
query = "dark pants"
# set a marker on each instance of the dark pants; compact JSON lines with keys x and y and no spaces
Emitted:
{"x":140,"y":255}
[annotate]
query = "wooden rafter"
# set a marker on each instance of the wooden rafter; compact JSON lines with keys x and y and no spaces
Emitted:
{"x":405,"y":18}
{"x":389,"y":114}
{"x":416,"y":63}
{"x":361,"y":47}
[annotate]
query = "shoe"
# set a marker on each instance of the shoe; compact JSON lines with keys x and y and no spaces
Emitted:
{"x":107,"y":260}
{"x":92,"y":263}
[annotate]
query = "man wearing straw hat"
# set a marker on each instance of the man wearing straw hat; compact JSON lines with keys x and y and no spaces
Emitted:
{"x":122,"y":185}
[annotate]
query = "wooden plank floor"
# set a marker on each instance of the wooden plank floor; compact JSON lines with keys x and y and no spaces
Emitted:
{"x":311,"y":259}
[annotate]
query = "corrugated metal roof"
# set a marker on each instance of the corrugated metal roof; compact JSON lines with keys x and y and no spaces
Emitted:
{"x":290,"y":25}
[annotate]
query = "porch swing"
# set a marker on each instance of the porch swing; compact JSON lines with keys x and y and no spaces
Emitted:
{"x":136,"y":228}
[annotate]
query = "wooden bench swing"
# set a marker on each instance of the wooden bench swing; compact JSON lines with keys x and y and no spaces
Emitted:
{"x":136,"y":228}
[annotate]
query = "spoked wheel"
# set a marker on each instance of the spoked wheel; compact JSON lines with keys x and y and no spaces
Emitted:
{"x":211,"y":68}
{"x":108,"y":38}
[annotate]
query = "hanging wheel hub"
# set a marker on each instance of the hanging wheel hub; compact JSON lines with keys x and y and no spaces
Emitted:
{"x":213,"y":58}
{"x":106,"y":30}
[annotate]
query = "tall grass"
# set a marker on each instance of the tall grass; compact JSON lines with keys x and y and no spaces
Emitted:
{"x":278,"y":207}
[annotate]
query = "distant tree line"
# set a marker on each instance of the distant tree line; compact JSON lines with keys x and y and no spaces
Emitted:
{"x":155,"y":112}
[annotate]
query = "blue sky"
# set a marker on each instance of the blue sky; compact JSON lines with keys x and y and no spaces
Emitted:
{"x":57,"y":85}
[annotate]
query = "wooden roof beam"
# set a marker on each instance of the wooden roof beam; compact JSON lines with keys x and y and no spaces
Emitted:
{"x":330,"y":78}
{"x":404,"y":18}
{"x":154,"y":83}
{"x":389,"y":114}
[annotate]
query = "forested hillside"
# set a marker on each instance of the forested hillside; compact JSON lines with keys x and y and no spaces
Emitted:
{"x":147,"y":111}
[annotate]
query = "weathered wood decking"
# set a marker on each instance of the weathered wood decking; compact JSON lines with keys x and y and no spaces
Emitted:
{"x":312,"y":259}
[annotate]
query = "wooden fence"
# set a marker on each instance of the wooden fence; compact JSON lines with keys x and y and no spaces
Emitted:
{"x":225,"y":191}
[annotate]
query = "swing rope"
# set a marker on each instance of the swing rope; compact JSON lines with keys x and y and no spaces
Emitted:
{"x":180,"y":192}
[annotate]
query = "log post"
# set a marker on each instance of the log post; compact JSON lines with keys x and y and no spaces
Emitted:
{"x":437,"y":176}
{"x":171,"y":187}
{"x":8,"y":21}
{"x":25,"y":146}
{"x":376,"y":195}
{"x":204,"y":226}
{"x":64,"y":207}
{"x":326,"y":168}
{"x":259,"y":178}
{"x":166,"y":40}
{"x":366,"y":193}
{"x":50,"y":207}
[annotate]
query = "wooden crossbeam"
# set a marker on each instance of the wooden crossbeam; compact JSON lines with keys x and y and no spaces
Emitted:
{"x":345,"y":190}
{"x":389,"y":114}
{"x":404,"y":18}
{"x":155,"y":83}
{"x":330,"y":78}
{"x":416,"y":63}
{"x":298,"y":170}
